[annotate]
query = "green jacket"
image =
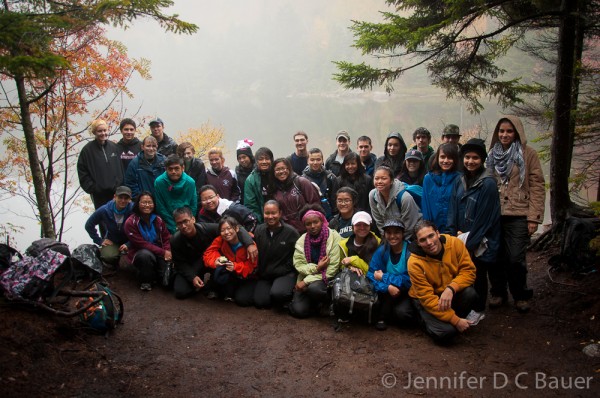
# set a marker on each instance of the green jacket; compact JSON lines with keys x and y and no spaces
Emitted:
{"x":169,"y":196}
{"x":307,"y":272}
{"x":253,"y":198}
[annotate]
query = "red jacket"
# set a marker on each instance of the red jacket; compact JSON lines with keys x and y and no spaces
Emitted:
{"x":243,"y":266}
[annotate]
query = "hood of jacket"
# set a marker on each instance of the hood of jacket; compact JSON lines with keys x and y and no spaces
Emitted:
{"x":223,"y":171}
{"x":402,"y":145}
{"x":517,"y":124}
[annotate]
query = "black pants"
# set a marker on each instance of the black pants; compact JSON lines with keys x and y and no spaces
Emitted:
{"x":481,"y":283}
{"x":184,"y":288}
{"x":511,"y":267}
{"x":277,"y":292}
{"x":444,"y":332}
{"x":150,"y":267}
{"x":305,"y":303}
{"x":397,"y":309}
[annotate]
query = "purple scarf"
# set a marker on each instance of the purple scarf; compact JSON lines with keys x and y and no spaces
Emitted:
{"x":320,"y":240}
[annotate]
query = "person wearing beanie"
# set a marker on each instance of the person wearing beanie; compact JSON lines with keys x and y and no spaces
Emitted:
{"x":413,"y":169}
{"x":474,"y":213}
{"x":245,"y":164}
{"x":256,"y":187}
{"x":422,"y":140}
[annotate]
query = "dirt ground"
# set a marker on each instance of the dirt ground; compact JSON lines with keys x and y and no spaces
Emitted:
{"x":199,"y":347}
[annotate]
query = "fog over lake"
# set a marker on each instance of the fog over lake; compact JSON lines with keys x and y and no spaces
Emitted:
{"x":262,"y":69}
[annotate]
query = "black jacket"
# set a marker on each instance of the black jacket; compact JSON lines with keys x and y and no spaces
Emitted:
{"x":99,"y":167}
{"x":275,"y":252}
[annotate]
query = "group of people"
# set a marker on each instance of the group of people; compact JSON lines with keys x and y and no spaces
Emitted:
{"x":426,"y":227}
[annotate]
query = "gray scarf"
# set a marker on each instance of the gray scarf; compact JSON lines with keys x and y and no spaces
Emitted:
{"x":503,"y":161}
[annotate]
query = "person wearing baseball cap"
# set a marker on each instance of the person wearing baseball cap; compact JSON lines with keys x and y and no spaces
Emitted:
{"x":389,"y":273}
{"x":110,"y":218}
{"x":166,"y":145}
{"x":413,"y":169}
{"x":359,"y":247}
{"x":334,"y":161}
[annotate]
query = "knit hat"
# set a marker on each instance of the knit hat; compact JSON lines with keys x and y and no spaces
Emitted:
{"x":414,"y":154}
{"x":451,"y":129}
{"x":243,"y":148}
{"x":476,"y":145}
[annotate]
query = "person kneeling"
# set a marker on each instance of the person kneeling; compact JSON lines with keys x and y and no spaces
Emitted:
{"x":441,"y":272}
{"x":234,"y":270}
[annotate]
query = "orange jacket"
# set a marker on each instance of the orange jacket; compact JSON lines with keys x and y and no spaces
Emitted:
{"x":243,"y":266}
{"x":430,"y":277}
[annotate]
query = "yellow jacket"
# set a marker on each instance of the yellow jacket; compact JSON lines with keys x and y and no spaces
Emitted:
{"x":356,"y":261}
{"x":430,"y":276}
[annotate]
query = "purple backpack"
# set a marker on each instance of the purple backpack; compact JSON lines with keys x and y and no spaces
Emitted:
{"x":30,"y":279}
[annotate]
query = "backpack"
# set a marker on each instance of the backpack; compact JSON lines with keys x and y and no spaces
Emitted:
{"x":38,"y":246}
{"x":416,"y":191}
{"x":30,"y":279}
{"x":324,"y":202}
{"x":575,"y":251}
{"x":353,"y":293}
{"x":7,"y":256}
{"x":104,"y":313}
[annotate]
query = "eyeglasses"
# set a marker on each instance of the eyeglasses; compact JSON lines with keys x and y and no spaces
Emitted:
{"x":344,"y":201}
{"x":208,"y":200}
{"x":146,"y":203}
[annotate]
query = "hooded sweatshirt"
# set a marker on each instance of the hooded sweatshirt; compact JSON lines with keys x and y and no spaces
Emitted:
{"x":395,"y":162}
{"x":527,"y":199}
{"x":408,"y":212}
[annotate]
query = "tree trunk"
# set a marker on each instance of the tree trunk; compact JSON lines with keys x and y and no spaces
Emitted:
{"x":34,"y":162}
{"x":561,"y":149}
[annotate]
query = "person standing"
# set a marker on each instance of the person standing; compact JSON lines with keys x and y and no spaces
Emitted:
{"x":221,"y":177}
{"x":193,"y":166}
{"x":474,"y":212}
{"x":256,"y":188}
{"x":99,"y":165}
{"x":299,"y":158}
{"x":130,"y":145}
{"x":166,"y":145}
{"x":334,"y":161}
{"x":393,"y":153}
{"x":245,"y":165}
{"x":367,"y":158}
{"x":145,"y":168}
{"x":422,"y":140}
{"x":520,"y":181}
{"x":174,"y":189}
{"x":451,"y":135}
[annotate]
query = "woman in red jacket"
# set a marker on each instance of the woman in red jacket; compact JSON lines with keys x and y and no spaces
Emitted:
{"x":149,"y":247}
{"x":234,"y":271}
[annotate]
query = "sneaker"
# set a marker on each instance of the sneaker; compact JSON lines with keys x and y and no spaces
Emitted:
{"x":146,"y":287}
{"x":381,"y":325}
{"x":228,"y":298}
{"x":522,"y":306}
{"x":475,"y":317}
{"x":211,"y":295}
{"x":497,"y":301}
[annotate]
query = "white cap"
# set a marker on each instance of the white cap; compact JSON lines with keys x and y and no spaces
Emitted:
{"x":361,"y":216}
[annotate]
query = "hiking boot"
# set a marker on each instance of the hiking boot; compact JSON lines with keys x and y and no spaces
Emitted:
{"x":522,"y":306}
{"x":211,"y":295}
{"x":228,"y":298}
{"x":497,"y":301}
{"x":381,"y":326}
{"x":146,"y":287}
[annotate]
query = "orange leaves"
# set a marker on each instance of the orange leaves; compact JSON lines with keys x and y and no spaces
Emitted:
{"x":203,"y":138}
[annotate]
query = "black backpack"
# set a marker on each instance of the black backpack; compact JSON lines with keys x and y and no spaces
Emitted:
{"x":353,"y":293}
{"x":575,"y":252}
